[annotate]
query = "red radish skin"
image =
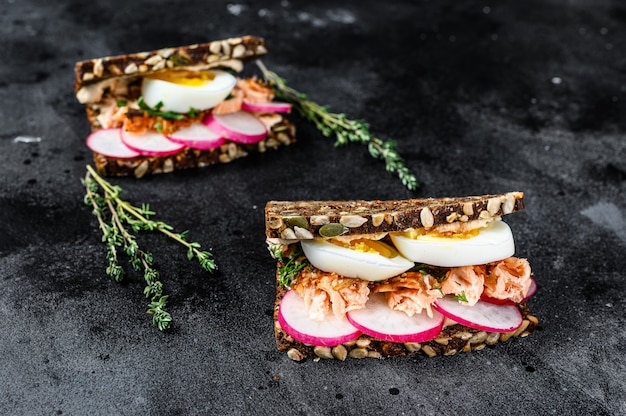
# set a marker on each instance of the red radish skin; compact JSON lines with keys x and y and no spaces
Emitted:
{"x":269,"y":107}
{"x":376,"y":319}
{"x":150,"y":143}
{"x":108,"y":142}
{"x":197,"y":136}
{"x":483,"y":316}
{"x":240,"y":127}
{"x":294,"y":320}
{"x":531,"y":291}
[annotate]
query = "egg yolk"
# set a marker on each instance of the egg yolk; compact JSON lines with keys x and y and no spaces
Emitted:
{"x":368,"y":246}
{"x":185,"y":78}
{"x":435,"y":234}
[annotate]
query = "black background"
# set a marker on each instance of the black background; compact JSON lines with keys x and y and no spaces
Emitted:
{"x":480,"y":97}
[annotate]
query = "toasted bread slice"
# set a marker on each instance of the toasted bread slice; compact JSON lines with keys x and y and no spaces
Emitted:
{"x":94,"y":76}
{"x":295,"y":220}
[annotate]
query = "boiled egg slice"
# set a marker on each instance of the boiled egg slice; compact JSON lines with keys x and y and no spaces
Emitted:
{"x":492,"y":243}
{"x":366,"y":259}
{"x":182,"y":91}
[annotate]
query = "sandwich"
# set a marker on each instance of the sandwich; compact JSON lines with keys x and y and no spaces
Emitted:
{"x":176,"y":108}
{"x":433,"y":276}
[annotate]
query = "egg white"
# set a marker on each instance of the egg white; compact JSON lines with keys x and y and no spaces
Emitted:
{"x":182,"y":98}
{"x":494,"y":242}
{"x":352,"y":263}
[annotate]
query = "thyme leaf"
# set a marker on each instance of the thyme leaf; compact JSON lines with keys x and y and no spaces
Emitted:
{"x":120,"y":222}
{"x":156,"y":111}
{"x":160,"y":317}
{"x":462,"y":297}
{"x":193,"y":112}
{"x":438,"y":273}
{"x":288,"y":270}
{"x":343,"y":129}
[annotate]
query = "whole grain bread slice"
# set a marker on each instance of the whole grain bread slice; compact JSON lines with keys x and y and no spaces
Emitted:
{"x":296,"y":220}
{"x":210,"y":54}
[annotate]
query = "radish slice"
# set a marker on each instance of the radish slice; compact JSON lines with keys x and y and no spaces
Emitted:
{"x":197,"y":136}
{"x":240,"y":126}
{"x":269,"y":107}
{"x":295,"y":321}
{"x":108,"y":142}
{"x":380,"y":321}
{"x":150,"y":143}
{"x":531,"y":291}
{"x":484,"y":316}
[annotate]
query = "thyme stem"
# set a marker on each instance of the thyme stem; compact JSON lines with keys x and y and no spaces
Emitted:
{"x":126,"y":221}
{"x":343,"y":129}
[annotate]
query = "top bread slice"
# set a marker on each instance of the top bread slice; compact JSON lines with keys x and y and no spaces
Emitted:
{"x":95,"y":76}
{"x":297,"y":220}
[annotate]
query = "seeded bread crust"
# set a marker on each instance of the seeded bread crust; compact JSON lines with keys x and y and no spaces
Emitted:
{"x":452,"y":340}
{"x":298,"y":220}
{"x":142,"y":63}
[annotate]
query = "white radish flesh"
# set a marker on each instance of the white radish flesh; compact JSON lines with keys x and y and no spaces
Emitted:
{"x":197,"y":136}
{"x":294,"y":320}
{"x":531,"y":291}
{"x":376,"y":319}
{"x":108,"y":142}
{"x":269,"y":107}
{"x":150,"y":143}
{"x":482,"y":315}
{"x":240,"y":126}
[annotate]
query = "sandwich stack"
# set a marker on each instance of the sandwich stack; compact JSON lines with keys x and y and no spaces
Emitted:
{"x":376,"y":279}
{"x":177,"y":108}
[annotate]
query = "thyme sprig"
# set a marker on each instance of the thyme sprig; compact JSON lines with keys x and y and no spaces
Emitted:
{"x":461,"y":297}
{"x":342,"y":128}
{"x":120,"y":222}
{"x":289,"y":266}
{"x":289,"y":270}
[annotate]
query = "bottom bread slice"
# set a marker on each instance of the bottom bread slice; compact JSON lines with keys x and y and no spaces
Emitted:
{"x":452,"y":339}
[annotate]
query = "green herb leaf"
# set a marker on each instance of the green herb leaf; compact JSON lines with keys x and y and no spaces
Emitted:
{"x":160,"y":317}
{"x":275,"y":250}
{"x":289,"y":270}
{"x":345,"y":130}
{"x":438,"y":273}
{"x":119,"y":222}
{"x":193,"y":112}
{"x":156,"y":110}
{"x":461,"y":297}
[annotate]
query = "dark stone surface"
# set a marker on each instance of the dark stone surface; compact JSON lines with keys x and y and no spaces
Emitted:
{"x":480,"y":97}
